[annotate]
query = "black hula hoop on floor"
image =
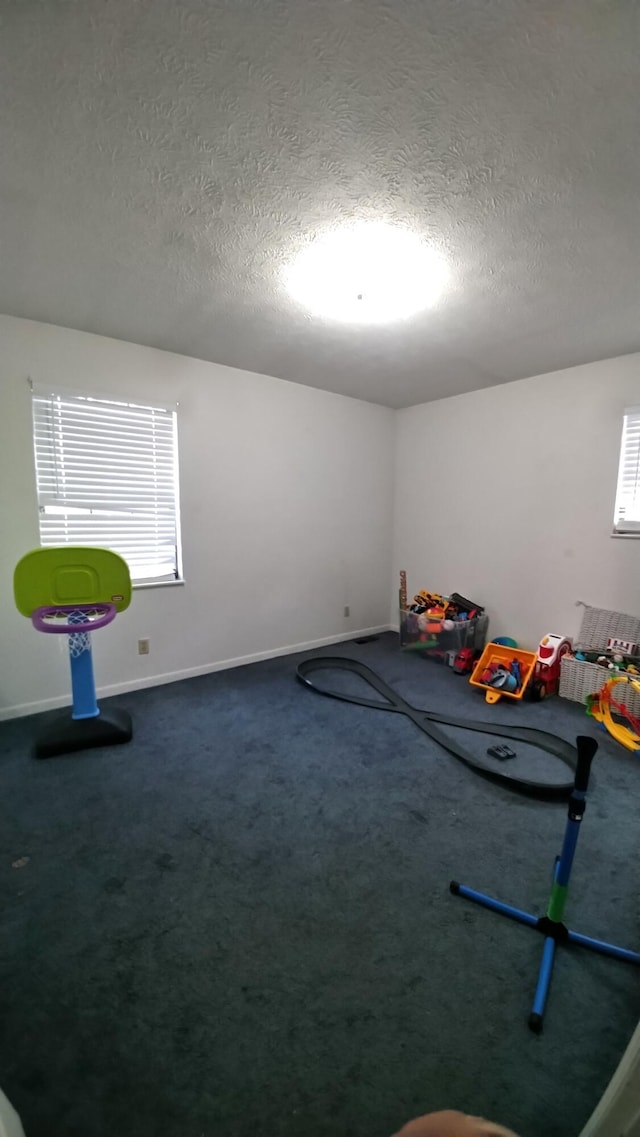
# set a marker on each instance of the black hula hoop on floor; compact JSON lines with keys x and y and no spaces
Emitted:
{"x":425,"y":720}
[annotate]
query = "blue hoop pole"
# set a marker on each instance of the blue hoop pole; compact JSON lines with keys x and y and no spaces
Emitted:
{"x":83,"y":686}
{"x":571,"y":834}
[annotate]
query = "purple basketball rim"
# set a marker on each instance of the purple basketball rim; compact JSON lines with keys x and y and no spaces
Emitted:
{"x":39,"y":621}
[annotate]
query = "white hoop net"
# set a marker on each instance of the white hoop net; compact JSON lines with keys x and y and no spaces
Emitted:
{"x":64,"y":620}
{"x":79,"y":642}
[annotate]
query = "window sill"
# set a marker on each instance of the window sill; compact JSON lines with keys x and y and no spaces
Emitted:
{"x":626,"y":536}
{"x":157,"y":584}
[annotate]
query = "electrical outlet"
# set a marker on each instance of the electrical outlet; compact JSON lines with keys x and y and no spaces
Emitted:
{"x":143,"y":647}
{"x":347,"y":611}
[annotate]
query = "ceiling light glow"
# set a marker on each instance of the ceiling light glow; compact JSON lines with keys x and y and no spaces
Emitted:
{"x":369,"y":273}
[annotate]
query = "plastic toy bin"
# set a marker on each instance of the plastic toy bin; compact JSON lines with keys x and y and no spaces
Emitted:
{"x":496,"y":653}
{"x":430,"y":637}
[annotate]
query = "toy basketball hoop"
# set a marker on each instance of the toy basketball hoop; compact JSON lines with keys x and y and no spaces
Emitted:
{"x":66,"y":590}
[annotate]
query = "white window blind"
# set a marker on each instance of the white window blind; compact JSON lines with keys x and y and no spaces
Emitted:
{"x":107,"y":474}
{"x":627,"y":511}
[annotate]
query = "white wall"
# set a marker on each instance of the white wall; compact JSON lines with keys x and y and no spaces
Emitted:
{"x":287,"y":506}
{"x":287,"y":496}
{"x":507,"y":494}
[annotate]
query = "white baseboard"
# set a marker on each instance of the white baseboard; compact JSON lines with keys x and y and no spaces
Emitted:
{"x":139,"y":684}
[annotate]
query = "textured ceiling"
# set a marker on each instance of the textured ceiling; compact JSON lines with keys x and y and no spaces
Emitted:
{"x":162,"y":160}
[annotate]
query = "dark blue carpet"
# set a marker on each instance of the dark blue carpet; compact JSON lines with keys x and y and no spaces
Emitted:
{"x":240,"y":923}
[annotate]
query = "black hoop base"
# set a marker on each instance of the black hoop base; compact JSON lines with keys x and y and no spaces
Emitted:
{"x":60,"y":734}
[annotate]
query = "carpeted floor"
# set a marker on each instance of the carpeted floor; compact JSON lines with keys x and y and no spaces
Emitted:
{"x":240,"y":925}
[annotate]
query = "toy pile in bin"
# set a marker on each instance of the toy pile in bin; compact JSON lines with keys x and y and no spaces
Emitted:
{"x":504,"y":670}
{"x":451,"y":628}
{"x":607,"y":640}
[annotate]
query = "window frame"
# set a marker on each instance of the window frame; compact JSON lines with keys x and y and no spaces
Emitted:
{"x":53,"y":391}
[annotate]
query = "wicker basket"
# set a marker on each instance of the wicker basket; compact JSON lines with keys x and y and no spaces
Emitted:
{"x":579,"y":678}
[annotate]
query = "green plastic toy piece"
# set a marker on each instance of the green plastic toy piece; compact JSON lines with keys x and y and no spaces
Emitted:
{"x":71,"y":574}
{"x":557,"y":901}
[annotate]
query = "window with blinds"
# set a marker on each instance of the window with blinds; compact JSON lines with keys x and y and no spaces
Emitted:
{"x":107,"y":474}
{"x":626,"y":519}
